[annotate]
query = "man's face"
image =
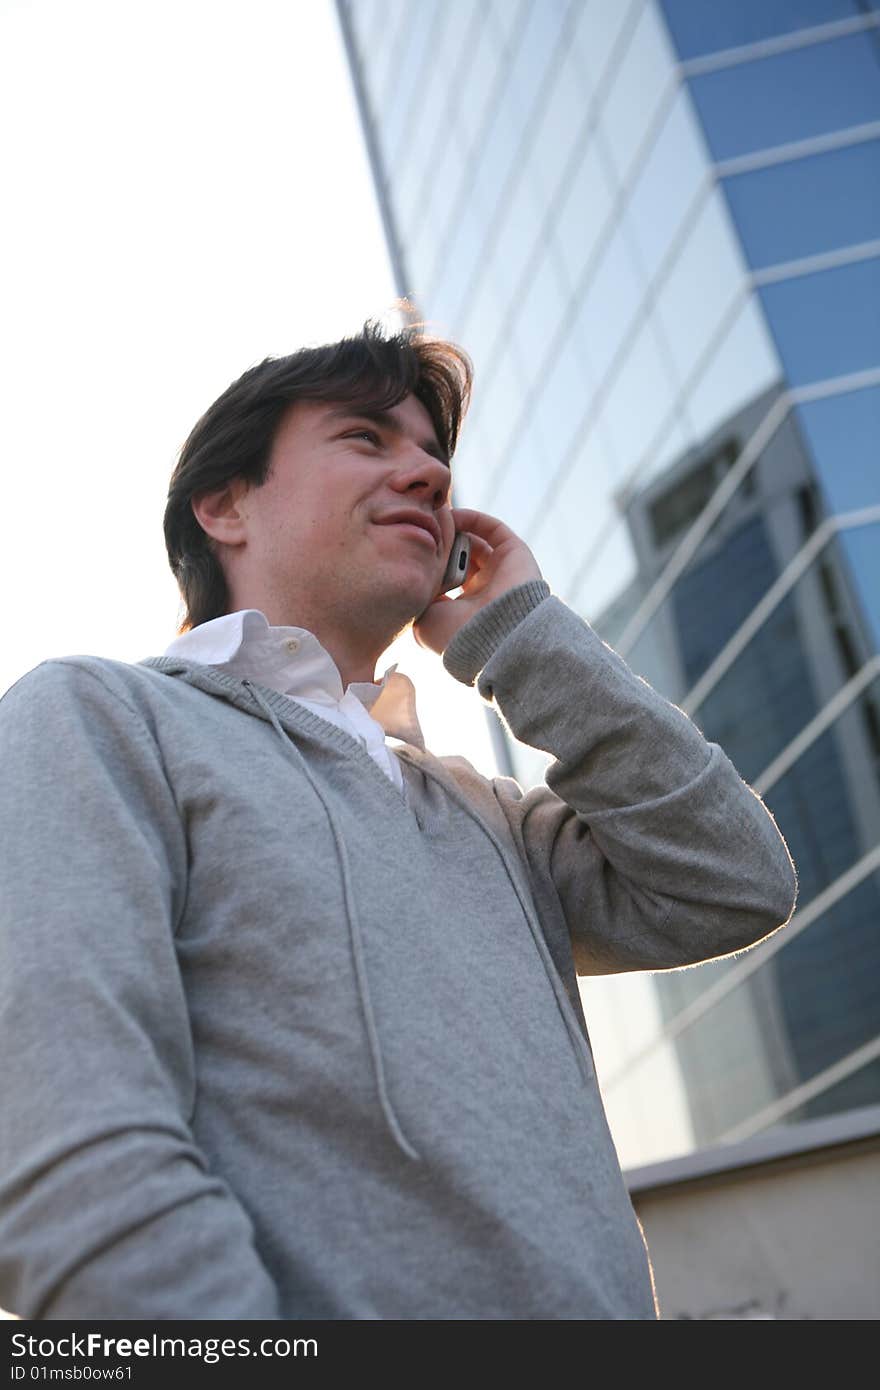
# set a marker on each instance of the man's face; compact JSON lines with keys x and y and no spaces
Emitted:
{"x":355,"y":510}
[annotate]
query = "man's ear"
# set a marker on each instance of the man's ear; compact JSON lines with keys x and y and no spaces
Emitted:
{"x":220,"y":514}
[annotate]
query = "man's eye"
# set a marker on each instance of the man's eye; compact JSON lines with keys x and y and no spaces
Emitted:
{"x":367,"y":434}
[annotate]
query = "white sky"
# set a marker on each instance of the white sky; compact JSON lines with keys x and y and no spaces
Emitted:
{"x":186,"y":191}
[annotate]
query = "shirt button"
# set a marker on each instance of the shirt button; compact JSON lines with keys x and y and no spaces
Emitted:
{"x":292,"y":644}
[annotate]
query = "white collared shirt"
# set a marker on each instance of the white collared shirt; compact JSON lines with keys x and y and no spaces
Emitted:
{"x":292,"y":661}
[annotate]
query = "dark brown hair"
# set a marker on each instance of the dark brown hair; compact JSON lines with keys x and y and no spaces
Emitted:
{"x":234,"y":437}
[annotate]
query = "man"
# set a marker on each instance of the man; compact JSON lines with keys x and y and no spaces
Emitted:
{"x":291,"y":1018}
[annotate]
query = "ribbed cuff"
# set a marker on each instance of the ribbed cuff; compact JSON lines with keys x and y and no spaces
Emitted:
{"x":475,"y":643}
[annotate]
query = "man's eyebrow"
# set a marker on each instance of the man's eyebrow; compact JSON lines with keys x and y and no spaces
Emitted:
{"x":388,"y":422}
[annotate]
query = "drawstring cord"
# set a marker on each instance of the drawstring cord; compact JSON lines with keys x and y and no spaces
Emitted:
{"x":543,"y":950}
{"x":355,"y":937}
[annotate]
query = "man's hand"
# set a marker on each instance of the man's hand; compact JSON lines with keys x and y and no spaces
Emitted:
{"x":499,"y":561}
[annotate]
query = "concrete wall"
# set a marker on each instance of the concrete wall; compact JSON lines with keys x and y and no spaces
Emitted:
{"x":797,"y":1238}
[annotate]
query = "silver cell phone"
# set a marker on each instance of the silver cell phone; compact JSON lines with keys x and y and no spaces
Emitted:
{"x":459,"y":558}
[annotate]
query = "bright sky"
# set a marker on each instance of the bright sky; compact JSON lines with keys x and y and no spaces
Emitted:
{"x":186,"y":192}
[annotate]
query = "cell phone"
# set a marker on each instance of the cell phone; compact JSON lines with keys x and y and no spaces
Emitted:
{"x":459,"y":558}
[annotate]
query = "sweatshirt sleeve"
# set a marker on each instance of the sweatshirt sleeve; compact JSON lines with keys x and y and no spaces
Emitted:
{"x":107,"y":1206}
{"x":656,"y":851}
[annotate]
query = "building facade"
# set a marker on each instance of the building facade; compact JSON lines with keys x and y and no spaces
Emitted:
{"x":655,"y":227}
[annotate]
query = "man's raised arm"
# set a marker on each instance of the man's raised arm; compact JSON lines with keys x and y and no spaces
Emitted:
{"x":654,"y":848}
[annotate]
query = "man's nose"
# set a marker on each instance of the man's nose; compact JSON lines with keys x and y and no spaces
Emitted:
{"x":425,"y":476}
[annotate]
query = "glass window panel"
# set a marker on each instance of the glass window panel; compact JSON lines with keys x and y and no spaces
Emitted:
{"x":638,"y":401}
{"x":399,"y":101}
{"x":558,"y":125}
{"x":455,"y":261}
{"x":518,"y":236}
{"x":843,"y":434}
{"x":421,"y":251}
{"x":808,"y":1007}
{"x":501,"y":398}
{"x":368,"y":19}
{"x":860,"y":1088}
{"x":807,"y":648}
{"x":673,"y":439}
{"x":523,"y":483}
{"x":482,"y":322}
{"x":808,"y":205}
{"x":583,"y":213}
{"x":503,"y":146}
{"x":455,"y":37}
{"x":826,"y":324}
{"x":455,"y":168}
{"x":405,"y":192}
{"x":634,"y":98}
{"x":612,"y":573}
{"x":484,"y":67}
{"x":539,"y":312}
{"x":386,"y":48}
{"x":790,"y":96}
{"x":471,"y":463}
{"x":459,"y":256}
{"x":861,"y":549}
{"x":600,"y":32}
{"x":705,"y":281}
{"x":506,"y":16}
{"x":562,"y":403}
{"x":698,"y":27}
{"x":608,"y":308}
{"x":425,"y":117}
{"x":432,"y":213}
{"x":579,"y":512}
{"x":550,"y":550}
{"x":742,"y":366}
{"x":668,"y":183}
{"x":646,"y":1128}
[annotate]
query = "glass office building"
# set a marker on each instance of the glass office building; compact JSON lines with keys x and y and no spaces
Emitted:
{"x":655,"y":226}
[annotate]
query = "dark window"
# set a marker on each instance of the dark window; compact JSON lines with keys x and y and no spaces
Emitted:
{"x":808,"y":205}
{"x":699,"y":26}
{"x":790,"y":96}
{"x":827,"y":324}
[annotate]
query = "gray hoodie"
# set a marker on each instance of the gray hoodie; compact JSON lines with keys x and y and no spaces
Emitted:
{"x":283,"y":1043}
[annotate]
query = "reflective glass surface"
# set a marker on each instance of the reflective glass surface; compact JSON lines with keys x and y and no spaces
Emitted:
{"x":824,"y":630}
{"x":559,"y":127}
{"x":401,"y":101}
{"x":637,"y":90}
{"x":699,"y":27}
{"x":807,"y":206}
{"x":743,"y":363}
{"x":810,"y":1006}
{"x":707,"y":278}
{"x":773,"y":688}
{"x":843,"y":435}
{"x":583,"y":213}
{"x":790,"y":96}
{"x":497,"y":167}
{"x":669,"y":184}
{"x":826,"y":324}
{"x":814,"y":1000}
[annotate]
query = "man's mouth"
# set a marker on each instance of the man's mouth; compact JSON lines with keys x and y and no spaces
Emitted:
{"x":418,"y":522}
